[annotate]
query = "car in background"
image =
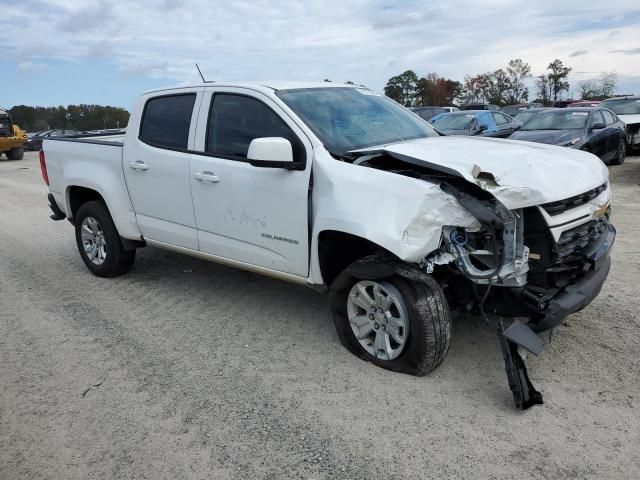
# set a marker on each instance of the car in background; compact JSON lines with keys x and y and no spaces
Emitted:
{"x":594,"y":130}
{"x":586,"y":103}
{"x":513,"y":110}
{"x":480,"y":106}
{"x":428,"y":112}
{"x":628,"y":111}
{"x":34,"y":142}
{"x":476,"y":122}
{"x":524,"y":115}
{"x":451,"y":109}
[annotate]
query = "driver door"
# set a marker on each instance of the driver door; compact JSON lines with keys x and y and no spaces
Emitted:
{"x":247,"y":213}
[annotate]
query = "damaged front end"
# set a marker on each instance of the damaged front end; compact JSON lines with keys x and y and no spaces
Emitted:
{"x":508,"y":266}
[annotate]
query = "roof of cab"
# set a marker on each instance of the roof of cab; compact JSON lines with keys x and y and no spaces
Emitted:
{"x":261,"y":85}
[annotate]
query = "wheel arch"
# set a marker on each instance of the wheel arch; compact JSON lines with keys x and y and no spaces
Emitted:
{"x":336,"y":250}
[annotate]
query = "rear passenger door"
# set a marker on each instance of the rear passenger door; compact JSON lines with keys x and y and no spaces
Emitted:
{"x":613,"y":133}
{"x":156,"y":167}
{"x":253,"y":215}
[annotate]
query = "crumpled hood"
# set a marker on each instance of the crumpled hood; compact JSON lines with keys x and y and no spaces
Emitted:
{"x":629,"y":119}
{"x":551,"y":137}
{"x":525,"y":173}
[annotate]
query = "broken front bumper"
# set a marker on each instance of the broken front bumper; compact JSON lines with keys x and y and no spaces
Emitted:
{"x":575,"y":297}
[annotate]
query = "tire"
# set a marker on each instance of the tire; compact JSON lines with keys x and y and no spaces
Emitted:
{"x":621,"y":153}
{"x":15,"y":154}
{"x":426,"y":340}
{"x":93,"y":219}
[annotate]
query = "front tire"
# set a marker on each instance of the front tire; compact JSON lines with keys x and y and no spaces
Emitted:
{"x":15,"y":154}
{"x":408,"y":332}
{"x":621,"y":153}
{"x":99,"y":243}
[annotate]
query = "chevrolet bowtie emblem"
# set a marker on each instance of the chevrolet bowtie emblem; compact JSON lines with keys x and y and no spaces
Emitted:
{"x":601,"y":211}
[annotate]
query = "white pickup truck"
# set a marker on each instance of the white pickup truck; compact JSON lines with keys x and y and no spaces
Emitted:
{"x":340,"y":188}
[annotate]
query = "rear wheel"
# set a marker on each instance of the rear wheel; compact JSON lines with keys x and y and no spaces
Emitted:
{"x":15,"y":154}
{"x":621,"y":153}
{"x":99,"y":243}
{"x":393,"y":321}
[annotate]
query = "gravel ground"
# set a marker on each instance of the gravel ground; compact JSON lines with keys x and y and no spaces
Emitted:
{"x":187,"y":369}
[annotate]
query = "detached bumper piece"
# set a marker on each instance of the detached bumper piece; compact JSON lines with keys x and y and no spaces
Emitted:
{"x":518,"y":334}
{"x":552,"y":310}
{"x":57,"y":213}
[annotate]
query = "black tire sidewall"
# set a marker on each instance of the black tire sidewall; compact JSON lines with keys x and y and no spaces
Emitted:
{"x":117,"y":259}
{"x":418,"y":356}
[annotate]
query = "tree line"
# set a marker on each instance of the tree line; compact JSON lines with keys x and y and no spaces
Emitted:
{"x":72,"y":117}
{"x":501,"y":87}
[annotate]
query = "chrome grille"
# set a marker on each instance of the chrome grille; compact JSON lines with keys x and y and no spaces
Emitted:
{"x":561,"y":206}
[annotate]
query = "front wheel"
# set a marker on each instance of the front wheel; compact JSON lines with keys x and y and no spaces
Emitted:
{"x":621,"y":153}
{"x":397,"y":322}
{"x":15,"y":154}
{"x":99,"y":244}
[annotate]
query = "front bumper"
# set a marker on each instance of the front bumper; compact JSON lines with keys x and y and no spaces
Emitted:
{"x":574,"y":298}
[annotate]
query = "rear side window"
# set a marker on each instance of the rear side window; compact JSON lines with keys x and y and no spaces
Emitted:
{"x":166,"y":121}
{"x":608,"y":117}
{"x":235,"y":120}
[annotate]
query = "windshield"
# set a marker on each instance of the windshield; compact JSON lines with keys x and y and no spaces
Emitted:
{"x":347,"y":119}
{"x":561,"y":120}
{"x":453,"y":121}
{"x":623,"y":107}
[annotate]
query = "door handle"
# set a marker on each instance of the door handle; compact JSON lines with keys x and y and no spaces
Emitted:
{"x":138,"y":165}
{"x":206,"y":177}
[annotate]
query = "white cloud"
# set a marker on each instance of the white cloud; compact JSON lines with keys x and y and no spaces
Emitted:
{"x":360,"y":40}
{"x":29,"y":67}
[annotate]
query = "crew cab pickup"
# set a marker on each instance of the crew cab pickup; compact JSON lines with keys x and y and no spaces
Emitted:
{"x":342,"y":189}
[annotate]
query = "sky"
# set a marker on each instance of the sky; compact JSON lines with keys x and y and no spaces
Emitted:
{"x":60,"y":52}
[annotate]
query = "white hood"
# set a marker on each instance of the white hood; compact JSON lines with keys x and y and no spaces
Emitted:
{"x":525,"y":173}
{"x":628,"y":119}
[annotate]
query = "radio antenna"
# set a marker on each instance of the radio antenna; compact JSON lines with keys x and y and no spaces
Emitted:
{"x":201,"y":76}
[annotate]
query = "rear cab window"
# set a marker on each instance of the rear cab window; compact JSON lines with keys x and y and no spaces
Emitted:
{"x":166,"y":121}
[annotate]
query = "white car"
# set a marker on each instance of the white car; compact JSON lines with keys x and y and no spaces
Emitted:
{"x":340,"y":188}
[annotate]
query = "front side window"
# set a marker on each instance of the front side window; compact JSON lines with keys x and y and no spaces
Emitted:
{"x":166,"y":121}
{"x":236,"y":120}
{"x":597,"y":118}
{"x":454,"y":121}
{"x":347,"y":118}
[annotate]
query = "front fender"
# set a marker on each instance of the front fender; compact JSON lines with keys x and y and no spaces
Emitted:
{"x":403,"y":215}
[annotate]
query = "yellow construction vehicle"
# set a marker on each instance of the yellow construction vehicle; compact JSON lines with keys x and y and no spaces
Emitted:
{"x":12,"y":137}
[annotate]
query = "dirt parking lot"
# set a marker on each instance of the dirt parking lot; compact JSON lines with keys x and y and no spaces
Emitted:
{"x":187,"y":369}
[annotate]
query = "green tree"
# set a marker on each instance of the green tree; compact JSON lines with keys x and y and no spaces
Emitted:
{"x":518,"y":71}
{"x":402,"y":88}
{"x":558,"y":78}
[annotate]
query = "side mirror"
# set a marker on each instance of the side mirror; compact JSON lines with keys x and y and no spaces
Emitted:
{"x":517,"y":125}
{"x":598,"y":126}
{"x":479,"y":129}
{"x":271,"y":152}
